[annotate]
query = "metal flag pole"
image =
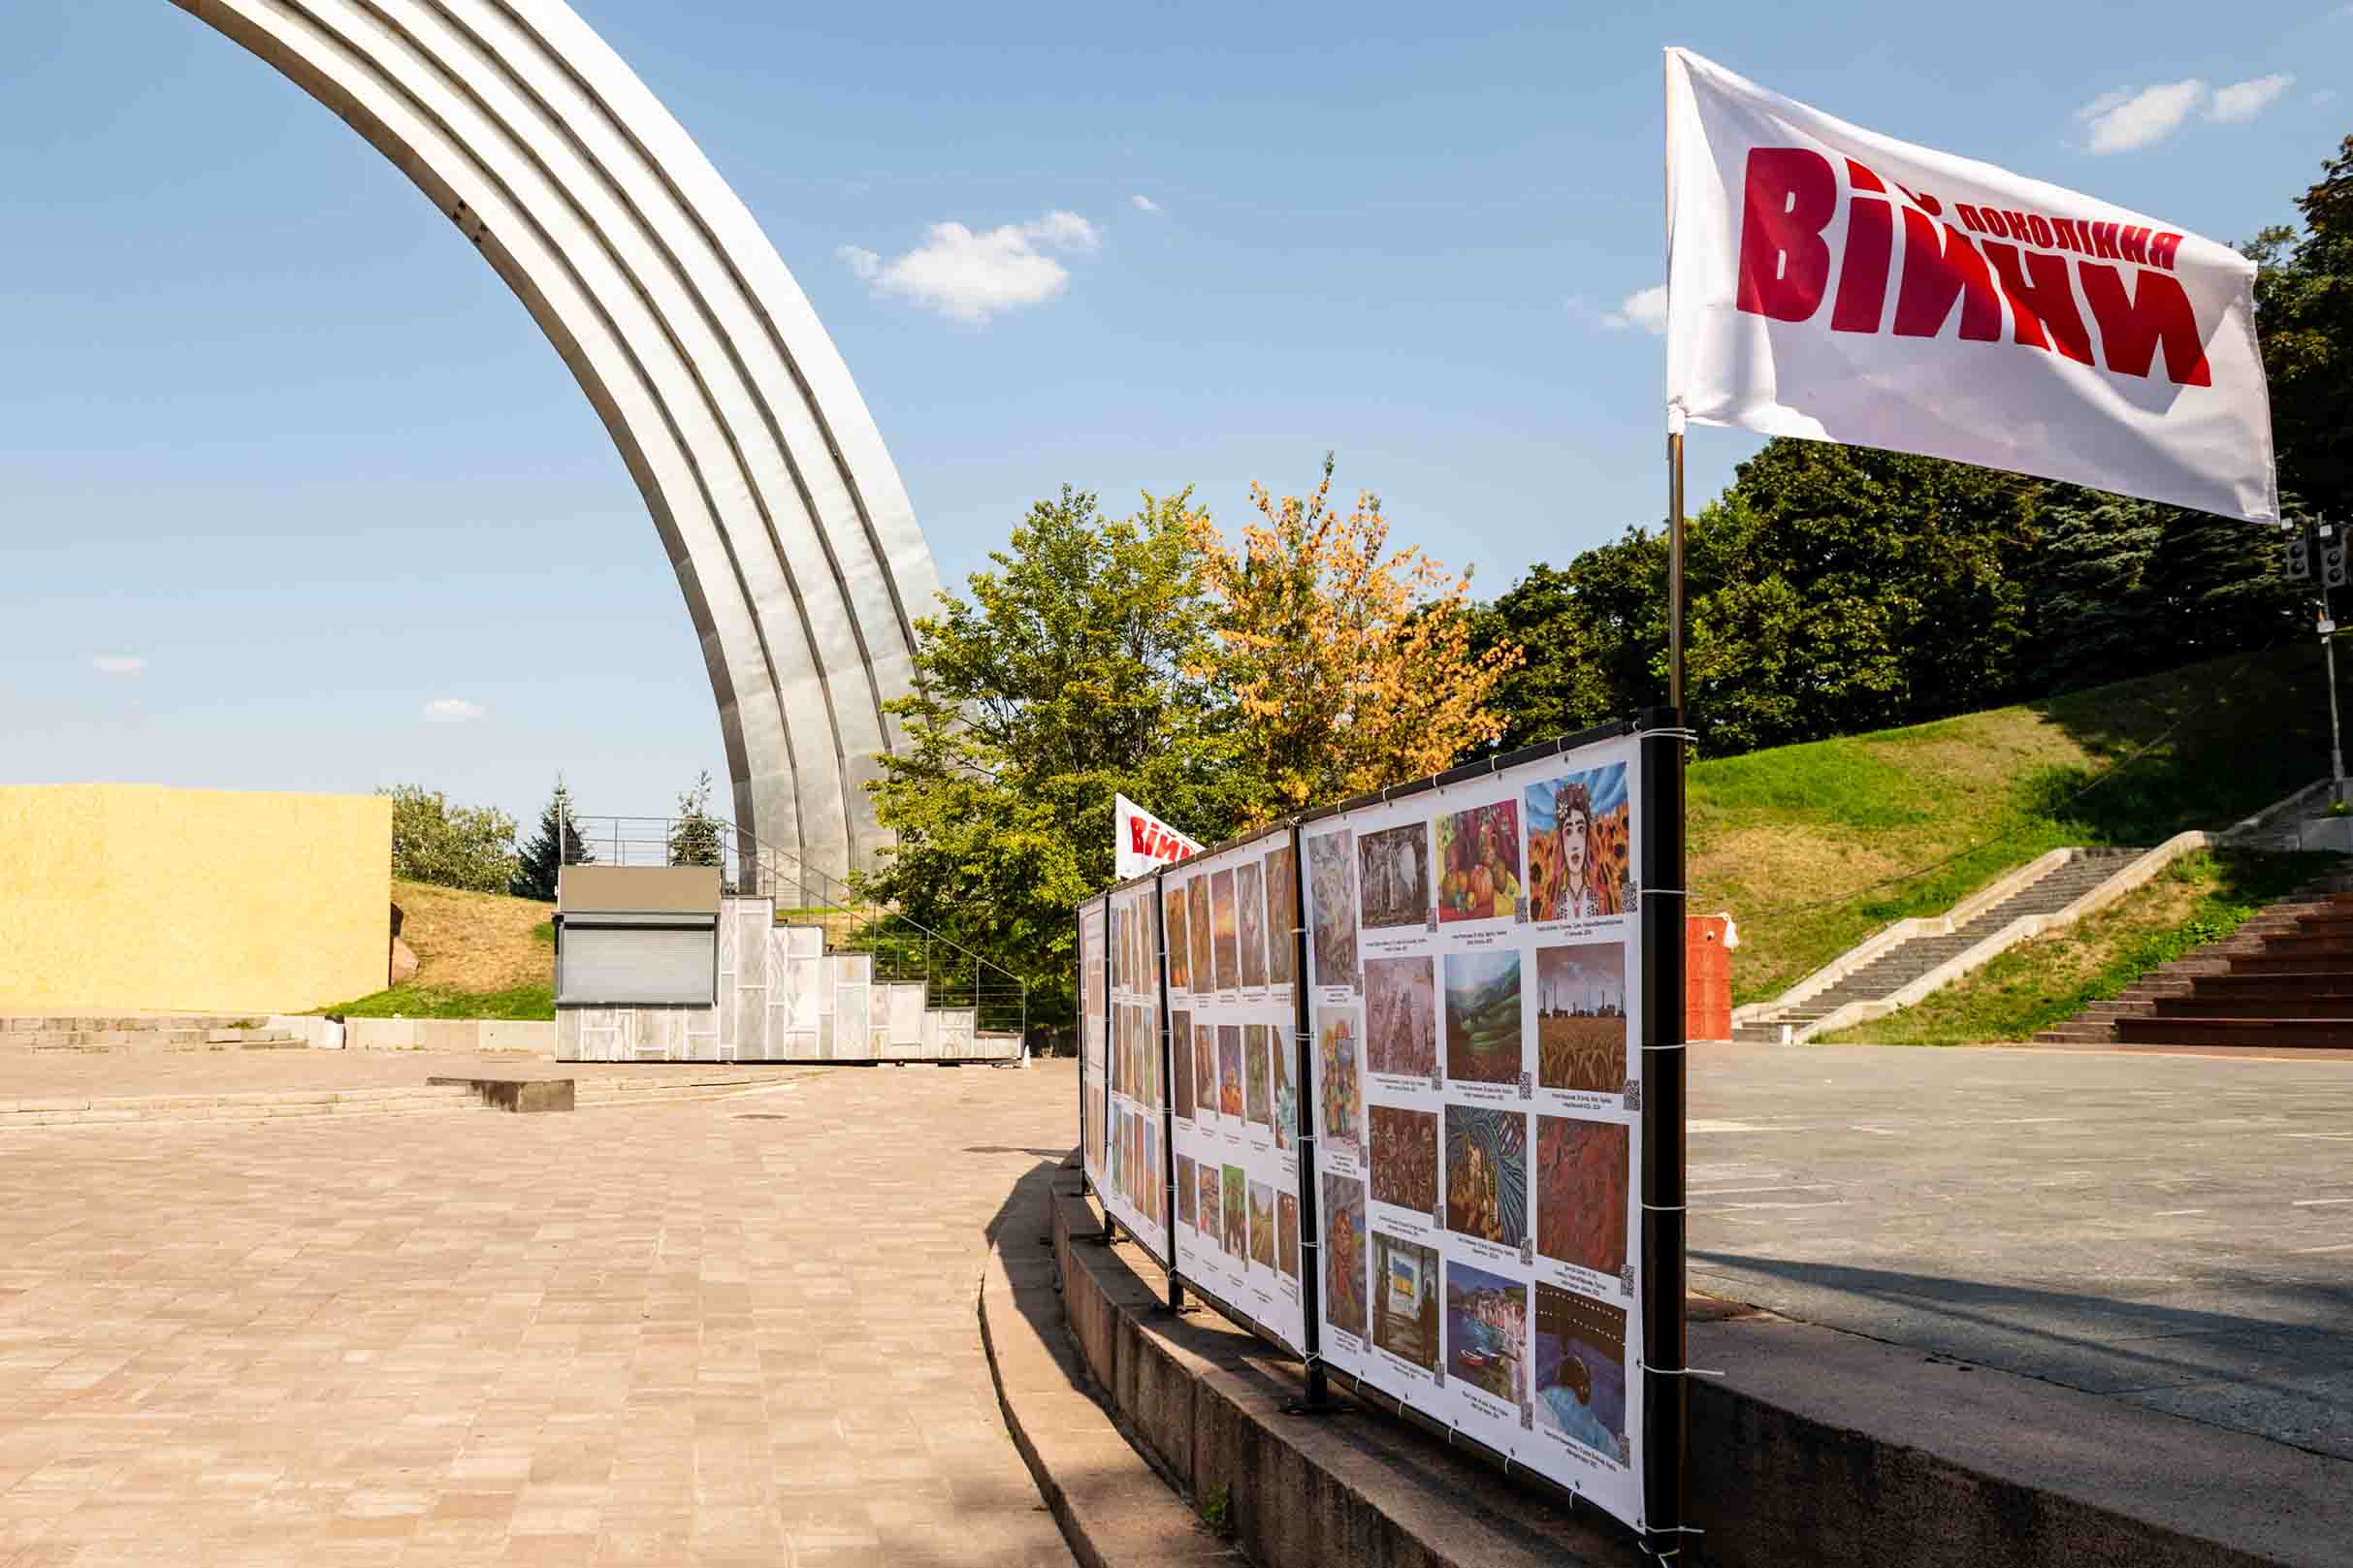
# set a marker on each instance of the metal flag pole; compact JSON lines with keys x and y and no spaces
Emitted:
{"x":1674,"y":563}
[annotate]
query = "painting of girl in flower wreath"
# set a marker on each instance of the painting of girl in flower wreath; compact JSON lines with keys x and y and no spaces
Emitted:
{"x":1578,"y":845}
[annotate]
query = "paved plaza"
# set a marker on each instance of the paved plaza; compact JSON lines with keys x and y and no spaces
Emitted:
{"x":742,"y":1331}
{"x":735,"y":1332}
{"x":2176,"y":1231}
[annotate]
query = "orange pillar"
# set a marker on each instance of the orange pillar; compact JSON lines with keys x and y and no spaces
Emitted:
{"x":1707,"y":968}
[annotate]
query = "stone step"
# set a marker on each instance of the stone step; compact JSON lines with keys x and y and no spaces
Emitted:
{"x":253,"y":1106}
{"x":2321,"y":1033}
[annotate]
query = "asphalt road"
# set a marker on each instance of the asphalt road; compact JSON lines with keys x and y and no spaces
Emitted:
{"x":2173,"y":1232}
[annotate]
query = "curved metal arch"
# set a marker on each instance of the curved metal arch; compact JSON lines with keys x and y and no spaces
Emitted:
{"x":781,"y":513}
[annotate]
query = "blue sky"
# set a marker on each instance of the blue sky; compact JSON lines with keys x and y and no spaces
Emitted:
{"x":286,"y":459}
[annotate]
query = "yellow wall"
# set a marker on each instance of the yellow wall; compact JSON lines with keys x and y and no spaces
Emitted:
{"x":133,"y":898}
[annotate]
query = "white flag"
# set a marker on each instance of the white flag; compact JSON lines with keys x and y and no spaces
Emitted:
{"x":1831,"y":282}
{"x":1144,"y":841}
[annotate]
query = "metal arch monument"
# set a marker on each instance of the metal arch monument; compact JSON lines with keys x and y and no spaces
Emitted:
{"x":790,"y":532}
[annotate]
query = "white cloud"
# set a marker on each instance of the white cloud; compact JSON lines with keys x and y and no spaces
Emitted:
{"x":1645,"y":309}
{"x":972,"y":277}
{"x":1143,"y":204}
{"x":2324,"y":98}
{"x":2125,"y":119}
{"x":118,"y":663}
{"x":2242,"y":101}
{"x":453,"y":711}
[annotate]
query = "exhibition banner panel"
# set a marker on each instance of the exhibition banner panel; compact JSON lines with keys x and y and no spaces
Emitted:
{"x":1473,"y":968}
{"x":1137,"y":1192}
{"x":1232,"y":941}
{"x":1094,"y":1001}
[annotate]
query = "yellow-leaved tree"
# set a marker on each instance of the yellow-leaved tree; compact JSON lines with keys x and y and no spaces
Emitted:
{"x":1352,"y":668}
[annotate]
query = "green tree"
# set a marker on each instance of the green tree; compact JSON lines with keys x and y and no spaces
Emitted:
{"x":1351,"y":666}
{"x":2303,"y":317}
{"x":1594,"y":632}
{"x":2132,"y":585}
{"x":695,"y":838}
{"x":466,"y":846}
{"x":1838,"y":589}
{"x":1069,"y":673}
{"x":554,"y":846}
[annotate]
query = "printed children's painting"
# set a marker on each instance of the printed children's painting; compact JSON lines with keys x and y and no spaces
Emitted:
{"x":1393,"y":877}
{"x":1342,"y":1206}
{"x":1205,"y":1073}
{"x":1251,"y":889}
{"x":1406,"y":1299}
{"x":1338,"y":1090}
{"x":1584,"y":1171}
{"x":1487,"y":1331}
{"x":1180,"y":974}
{"x":1581,"y":1018}
{"x":1181,"y":1068}
{"x":1483,"y":1016}
{"x":1282,"y":918}
{"x":1405,"y":1157}
{"x":1487,"y":1173}
{"x":1580,"y":1373}
{"x":1197,"y":933}
{"x":1479,"y":863}
{"x":1229,"y":1071}
{"x":1262,"y":1224}
{"x":1400,"y":1016}
{"x":1332,"y":880}
{"x":1578,"y":845}
{"x":1225,"y":941}
{"x":1259,"y":1100}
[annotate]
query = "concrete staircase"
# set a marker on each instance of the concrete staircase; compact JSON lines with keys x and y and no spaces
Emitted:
{"x":1899,"y":965}
{"x":2284,"y":978}
{"x":142,"y":1033}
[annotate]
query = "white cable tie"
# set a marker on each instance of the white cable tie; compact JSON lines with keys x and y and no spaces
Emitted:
{"x":1678,"y":1371}
{"x":1667,"y":892}
{"x":1665,"y":1209}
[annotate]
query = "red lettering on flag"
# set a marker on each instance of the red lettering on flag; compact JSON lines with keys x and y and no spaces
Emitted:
{"x":2104,"y":241}
{"x":1940,"y":265}
{"x":2046,"y":302}
{"x":2162,"y":249}
{"x":2132,"y":327}
{"x":1785,"y":263}
{"x":1862,"y":276}
{"x":2134,"y":243}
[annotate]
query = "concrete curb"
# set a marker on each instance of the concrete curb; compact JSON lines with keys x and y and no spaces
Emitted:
{"x":2136,"y":873}
{"x":1817,"y":1447}
{"x":1114,"y":1510}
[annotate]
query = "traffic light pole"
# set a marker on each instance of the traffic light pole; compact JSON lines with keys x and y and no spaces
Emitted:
{"x":2334,"y":573}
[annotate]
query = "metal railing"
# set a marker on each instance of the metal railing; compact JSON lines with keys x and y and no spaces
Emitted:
{"x":904,"y":951}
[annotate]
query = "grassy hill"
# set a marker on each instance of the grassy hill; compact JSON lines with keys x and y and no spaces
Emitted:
{"x":1813,"y":847}
{"x":479,"y":955}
